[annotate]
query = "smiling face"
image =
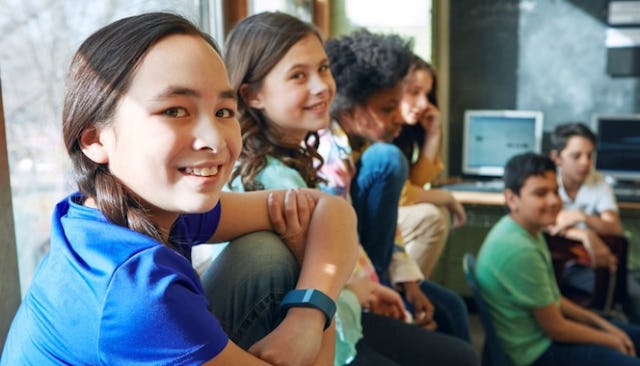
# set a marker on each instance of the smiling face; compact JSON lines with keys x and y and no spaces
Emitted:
{"x":174,"y":137}
{"x":414,"y":103}
{"x":575,"y":160}
{"x":538,"y":203}
{"x":378,"y":119}
{"x":296,"y":94}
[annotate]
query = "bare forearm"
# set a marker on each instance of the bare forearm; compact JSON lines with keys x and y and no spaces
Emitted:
{"x":431,"y":147}
{"x":332,"y":246}
{"x":438,"y":197}
{"x":571,"y":331}
{"x":579,"y":326}
{"x":602,"y":226}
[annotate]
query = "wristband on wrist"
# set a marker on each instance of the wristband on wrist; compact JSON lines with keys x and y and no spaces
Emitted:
{"x":310,"y":298}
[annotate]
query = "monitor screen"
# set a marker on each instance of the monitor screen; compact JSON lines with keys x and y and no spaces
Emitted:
{"x":491,"y":137}
{"x":618,"y":146}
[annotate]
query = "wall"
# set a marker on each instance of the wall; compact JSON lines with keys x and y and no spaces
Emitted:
{"x":525,"y":54}
{"x":9,"y":284}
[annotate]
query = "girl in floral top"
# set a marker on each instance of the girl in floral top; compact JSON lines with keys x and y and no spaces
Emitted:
{"x":279,"y":69}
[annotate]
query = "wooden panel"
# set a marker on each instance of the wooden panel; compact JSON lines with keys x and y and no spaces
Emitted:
{"x":234,"y":10}
{"x":10,"y":284}
{"x":322,"y":17}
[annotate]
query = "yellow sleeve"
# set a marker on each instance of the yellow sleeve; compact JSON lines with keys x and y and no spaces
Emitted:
{"x":408,"y":194}
{"x":424,"y":171}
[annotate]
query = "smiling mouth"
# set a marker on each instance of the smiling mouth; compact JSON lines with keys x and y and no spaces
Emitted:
{"x":201,"y":172}
{"x":317,"y":106}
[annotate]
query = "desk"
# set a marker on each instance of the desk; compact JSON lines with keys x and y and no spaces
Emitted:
{"x":483,"y":211}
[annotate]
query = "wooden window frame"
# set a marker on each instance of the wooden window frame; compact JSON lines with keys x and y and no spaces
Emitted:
{"x":235,"y":10}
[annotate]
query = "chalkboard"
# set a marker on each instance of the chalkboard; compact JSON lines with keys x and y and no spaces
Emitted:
{"x":532,"y":55}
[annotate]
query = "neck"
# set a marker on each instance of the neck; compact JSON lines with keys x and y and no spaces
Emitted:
{"x":570,"y":186}
{"x":355,"y":140}
{"x":531,"y":229}
{"x":288,"y":136}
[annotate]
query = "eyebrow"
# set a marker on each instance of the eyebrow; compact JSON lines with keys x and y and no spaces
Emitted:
{"x":303,"y":65}
{"x":173,"y":91}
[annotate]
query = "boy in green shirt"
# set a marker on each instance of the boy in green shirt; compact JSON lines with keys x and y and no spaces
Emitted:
{"x":535,"y":324}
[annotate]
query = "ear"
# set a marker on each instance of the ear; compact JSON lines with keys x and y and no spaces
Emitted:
{"x":251,"y":97}
{"x":92,"y":147}
{"x":511,"y":199}
{"x":554,"y":155}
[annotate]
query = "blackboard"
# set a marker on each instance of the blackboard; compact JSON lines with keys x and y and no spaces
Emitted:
{"x":532,"y":55}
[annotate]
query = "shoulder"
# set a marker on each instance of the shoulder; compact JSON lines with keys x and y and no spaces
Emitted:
{"x":596,"y":180}
{"x":193,"y":229}
{"x":597,"y":191}
{"x":152,"y":297}
{"x":276,"y":175}
{"x":507,"y":243}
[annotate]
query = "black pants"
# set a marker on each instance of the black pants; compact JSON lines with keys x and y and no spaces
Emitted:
{"x":391,"y":342}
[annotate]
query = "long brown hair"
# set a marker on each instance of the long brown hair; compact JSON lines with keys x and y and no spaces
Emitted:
{"x":100,"y":74}
{"x":253,"y":48}
{"x":412,"y":136}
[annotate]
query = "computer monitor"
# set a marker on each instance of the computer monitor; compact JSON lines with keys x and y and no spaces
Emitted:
{"x":618,"y":146}
{"x":491,"y":137}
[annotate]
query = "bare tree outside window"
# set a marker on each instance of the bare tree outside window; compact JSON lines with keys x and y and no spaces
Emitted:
{"x":37,"y":40}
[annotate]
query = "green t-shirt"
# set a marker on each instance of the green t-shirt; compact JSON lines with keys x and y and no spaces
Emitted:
{"x":515,"y":276}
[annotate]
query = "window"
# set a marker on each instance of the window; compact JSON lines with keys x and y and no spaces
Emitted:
{"x":37,"y":40}
{"x":408,"y":18}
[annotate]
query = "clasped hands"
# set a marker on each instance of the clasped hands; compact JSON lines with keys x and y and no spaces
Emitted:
{"x":383,"y":300}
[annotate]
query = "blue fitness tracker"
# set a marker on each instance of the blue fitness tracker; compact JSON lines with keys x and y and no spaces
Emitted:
{"x":310,"y":298}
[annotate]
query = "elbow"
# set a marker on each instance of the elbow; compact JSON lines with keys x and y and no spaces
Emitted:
{"x":347,"y":222}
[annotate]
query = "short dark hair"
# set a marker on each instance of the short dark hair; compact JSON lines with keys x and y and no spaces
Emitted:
{"x":563,"y":132}
{"x":364,"y":63}
{"x":522,"y":166}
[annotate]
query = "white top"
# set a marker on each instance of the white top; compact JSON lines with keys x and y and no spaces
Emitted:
{"x":594,"y":196}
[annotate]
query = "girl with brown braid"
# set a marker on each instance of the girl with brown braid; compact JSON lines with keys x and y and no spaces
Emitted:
{"x":150,"y":124}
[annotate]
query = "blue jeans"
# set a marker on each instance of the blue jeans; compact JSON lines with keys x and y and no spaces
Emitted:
{"x":375,"y":192}
{"x":450,"y":310}
{"x":569,"y":354}
{"x":246,"y":283}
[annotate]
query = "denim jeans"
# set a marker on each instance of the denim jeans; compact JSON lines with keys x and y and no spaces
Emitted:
{"x":246,"y":283}
{"x":569,"y":354}
{"x":375,"y":192}
{"x":450,"y":310}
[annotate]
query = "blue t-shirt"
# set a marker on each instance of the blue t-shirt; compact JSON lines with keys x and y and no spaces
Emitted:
{"x":105,"y":294}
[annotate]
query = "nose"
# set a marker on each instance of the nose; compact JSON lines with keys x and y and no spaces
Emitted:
{"x":423,"y":102}
{"x":209,"y":135}
{"x":318,"y":84}
{"x":553,"y":199}
{"x":585,"y":160}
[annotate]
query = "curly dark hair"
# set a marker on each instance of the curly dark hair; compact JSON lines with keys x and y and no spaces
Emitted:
{"x":412,"y":136}
{"x":253,"y":48}
{"x":364,"y":63}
